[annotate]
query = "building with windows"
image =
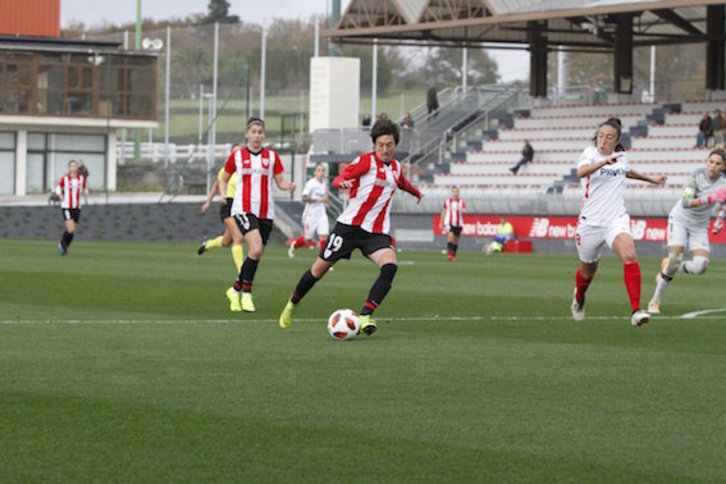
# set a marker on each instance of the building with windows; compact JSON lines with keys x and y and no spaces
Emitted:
{"x":66,"y":99}
{"x":61,"y":100}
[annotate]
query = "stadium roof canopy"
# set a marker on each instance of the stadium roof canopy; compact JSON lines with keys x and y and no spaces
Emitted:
{"x":573,"y":24}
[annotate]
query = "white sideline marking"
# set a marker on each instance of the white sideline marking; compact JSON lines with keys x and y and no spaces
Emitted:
{"x":701,"y":315}
{"x":695,"y":314}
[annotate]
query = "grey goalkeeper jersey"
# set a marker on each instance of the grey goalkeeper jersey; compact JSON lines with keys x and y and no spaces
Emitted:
{"x":698,"y":185}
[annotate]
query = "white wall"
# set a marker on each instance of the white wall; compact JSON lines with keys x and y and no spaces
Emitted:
{"x":334,"y":93}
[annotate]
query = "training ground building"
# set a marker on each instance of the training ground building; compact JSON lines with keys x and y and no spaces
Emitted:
{"x":66,"y":99}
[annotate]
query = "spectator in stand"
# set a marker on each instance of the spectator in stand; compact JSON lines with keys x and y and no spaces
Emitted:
{"x":717,"y":127}
{"x":432,"y":100}
{"x":382,"y":117}
{"x":704,"y":128}
{"x":366,"y":120}
{"x":407,"y":122}
{"x":505,"y":233}
{"x":527,"y":155}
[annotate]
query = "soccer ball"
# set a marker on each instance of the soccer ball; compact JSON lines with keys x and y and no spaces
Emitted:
{"x":344,"y":324}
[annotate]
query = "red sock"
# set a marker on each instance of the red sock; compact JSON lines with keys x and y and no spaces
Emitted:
{"x":322,"y":243}
{"x":631,"y":274}
{"x":299,"y":242}
{"x":582,"y":284}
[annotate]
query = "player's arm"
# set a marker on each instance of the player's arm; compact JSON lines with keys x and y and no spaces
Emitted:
{"x":658,"y":180}
{"x":229,"y":168}
{"x":278,"y":170}
{"x":351,"y":174}
{"x":211,"y":195}
{"x":585,"y":169}
{"x":719,"y":223}
{"x":406,"y":186}
{"x":283,"y":184}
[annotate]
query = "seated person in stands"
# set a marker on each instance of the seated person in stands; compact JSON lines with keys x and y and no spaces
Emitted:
{"x":505,"y":233}
{"x":366,"y":120}
{"x":704,"y":131}
{"x":407,"y":122}
{"x":527,"y":155}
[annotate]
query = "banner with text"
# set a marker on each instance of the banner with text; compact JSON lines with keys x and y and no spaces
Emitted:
{"x":531,"y":227}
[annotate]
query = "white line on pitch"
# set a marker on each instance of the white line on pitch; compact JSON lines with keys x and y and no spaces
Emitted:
{"x":393,"y":319}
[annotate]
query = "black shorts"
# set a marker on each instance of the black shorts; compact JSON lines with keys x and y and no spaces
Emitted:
{"x":71,"y":214}
{"x":248,"y":222}
{"x":344,"y":239}
{"x":226,"y":210}
{"x":455,"y":230}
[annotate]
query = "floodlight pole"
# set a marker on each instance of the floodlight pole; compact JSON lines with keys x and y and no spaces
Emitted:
{"x":137,"y":46}
{"x":167,"y":86}
{"x":212,"y":137}
{"x":263,"y":65}
{"x":374,"y":81}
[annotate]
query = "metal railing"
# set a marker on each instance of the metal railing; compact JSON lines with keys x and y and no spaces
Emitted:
{"x":461,"y":112}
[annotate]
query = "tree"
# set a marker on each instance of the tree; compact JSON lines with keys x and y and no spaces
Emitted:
{"x":443,"y":67}
{"x":219,"y":12}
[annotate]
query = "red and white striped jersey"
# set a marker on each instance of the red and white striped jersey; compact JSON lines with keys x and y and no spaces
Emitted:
{"x":254,"y":173}
{"x":70,"y":190}
{"x":453,"y":212}
{"x":374,"y":184}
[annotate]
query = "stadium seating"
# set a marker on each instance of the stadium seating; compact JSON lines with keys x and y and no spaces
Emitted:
{"x":559,"y":134}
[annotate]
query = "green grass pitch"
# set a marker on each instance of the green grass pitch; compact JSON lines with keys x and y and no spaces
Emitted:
{"x":122,"y":363}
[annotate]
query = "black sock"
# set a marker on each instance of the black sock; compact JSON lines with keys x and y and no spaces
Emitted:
{"x":454,"y":247}
{"x":66,"y":239}
{"x":379,"y":289}
{"x":449,"y":247}
{"x":307,"y":281}
{"x":246,"y":275}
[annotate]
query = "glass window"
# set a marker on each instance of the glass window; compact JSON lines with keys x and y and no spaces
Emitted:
{"x":7,"y":142}
{"x":139,"y":106}
{"x":34,"y":173}
{"x":7,"y":168}
{"x":95,"y":162}
{"x":77,"y":142}
{"x":36,"y":141}
{"x":141,"y":79}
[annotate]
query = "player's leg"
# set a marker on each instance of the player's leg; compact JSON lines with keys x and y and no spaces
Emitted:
{"x":450,"y":244}
{"x":340,"y":245}
{"x":677,"y":240}
{"x":213,"y":243}
{"x":455,"y":232}
{"x":246,"y":278}
{"x":319,"y":268}
{"x":385,"y":259}
{"x":68,"y":234}
{"x":700,"y":249}
{"x":589,"y":242}
{"x":233,"y":234}
{"x":624,"y":248}
{"x":218,"y":241}
{"x":668,"y":268}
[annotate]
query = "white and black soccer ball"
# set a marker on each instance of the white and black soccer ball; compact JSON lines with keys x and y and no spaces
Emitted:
{"x":344,"y":324}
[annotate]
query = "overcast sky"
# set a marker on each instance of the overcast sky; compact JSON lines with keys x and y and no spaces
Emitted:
{"x":513,"y":65}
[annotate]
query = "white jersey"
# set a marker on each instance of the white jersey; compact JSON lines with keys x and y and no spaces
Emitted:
{"x":603,"y":190}
{"x":315,"y":190}
{"x":698,"y":185}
